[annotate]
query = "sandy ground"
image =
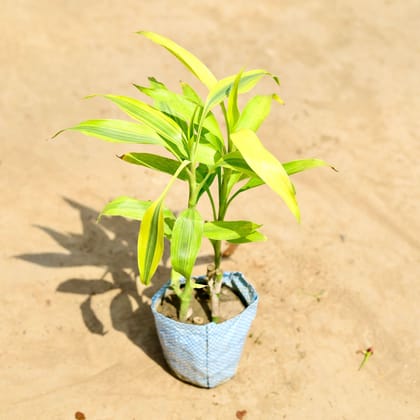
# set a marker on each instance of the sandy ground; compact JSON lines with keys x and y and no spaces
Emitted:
{"x":75,"y":333}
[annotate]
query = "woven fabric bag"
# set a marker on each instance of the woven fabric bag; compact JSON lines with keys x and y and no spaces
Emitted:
{"x":207,"y":355}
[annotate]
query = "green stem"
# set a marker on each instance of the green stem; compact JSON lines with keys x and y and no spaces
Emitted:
{"x":215,"y":296}
{"x":216,"y":278}
{"x":217,"y":248}
{"x":213,"y":207}
{"x":197,"y":137}
{"x":185,"y":298}
{"x":185,"y":295}
{"x":193,"y":187}
{"x":229,"y":148}
{"x":217,"y":245}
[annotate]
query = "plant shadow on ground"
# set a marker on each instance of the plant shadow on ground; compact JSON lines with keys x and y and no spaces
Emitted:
{"x":110,"y":244}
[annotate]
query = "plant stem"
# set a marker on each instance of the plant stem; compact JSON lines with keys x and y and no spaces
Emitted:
{"x":215,"y":276}
{"x":217,"y":248}
{"x":185,"y":298}
{"x":186,"y":294}
{"x":229,"y":148}
{"x":213,"y":207}
{"x":217,"y":245}
{"x":192,"y":196}
{"x":215,"y":285}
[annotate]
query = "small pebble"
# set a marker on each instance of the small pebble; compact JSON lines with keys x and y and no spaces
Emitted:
{"x":198,"y":320}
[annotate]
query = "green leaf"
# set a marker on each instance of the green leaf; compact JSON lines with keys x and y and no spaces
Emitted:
{"x":255,"y":112}
{"x":222,"y":88}
{"x":191,"y":94}
{"x":301,"y":165}
{"x":170,"y":103}
{"x":252,"y":237}
{"x":233,"y":178}
{"x":266,"y":166}
{"x":175,"y":282}
{"x":132,"y":208}
{"x":199,"y":69}
{"x":170,"y":132}
{"x":232,"y":109}
{"x":191,"y":131}
{"x":234,"y":160}
{"x":181,"y":109}
{"x":157,"y":162}
{"x":117,"y":131}
{"x":229,"y":230}
{"x":186,"y":241}
{"x":252,"y":183}
{"x":151,"y":236}
{"x":211,"y":133}
{"x":206,"y":154}
{"x":126,"y":207}
{"x":209,"y":180}
{"x":150,"y":241}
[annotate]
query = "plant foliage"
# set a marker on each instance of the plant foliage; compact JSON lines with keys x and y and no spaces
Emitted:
{"x":184,"y":125}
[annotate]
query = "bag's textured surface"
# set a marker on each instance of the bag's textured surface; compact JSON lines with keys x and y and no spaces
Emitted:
{"x":206,"y":355}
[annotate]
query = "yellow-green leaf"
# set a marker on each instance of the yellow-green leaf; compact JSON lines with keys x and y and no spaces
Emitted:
{"x":150,"y":241}
{"x":234,"y":160}
{"x":266,"y":166}
{"x":158,"y":163}
{"x":170,"y":132}
{"x":186,"y":241}
{"x":196,"y":66}
{"x":151,"y":236}
{"x":300,"y":165}
{"x":177,"y":106}
{"x":232,"y":109}
{"x":206,"y":154}
{"x":252,"y":237}
{"x":117,"y":131}
{"x":190,"y":93}
{"x":182,"y":108}
{"x":229,"y":230}
{"x":132,"y":208}
{"x":222,"y":88}
{"x":255,"y":112}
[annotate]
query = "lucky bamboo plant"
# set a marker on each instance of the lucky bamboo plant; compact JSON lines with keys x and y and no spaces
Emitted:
{"x":184,"y":124}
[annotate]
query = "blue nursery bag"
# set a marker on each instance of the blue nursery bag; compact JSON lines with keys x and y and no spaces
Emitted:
{"x":207,"y":355}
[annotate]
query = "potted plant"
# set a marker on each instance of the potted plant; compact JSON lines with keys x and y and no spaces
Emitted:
{"x":213,"y":165}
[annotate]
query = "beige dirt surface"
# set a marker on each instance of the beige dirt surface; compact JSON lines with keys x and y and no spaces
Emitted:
{"x":77,"y":334}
